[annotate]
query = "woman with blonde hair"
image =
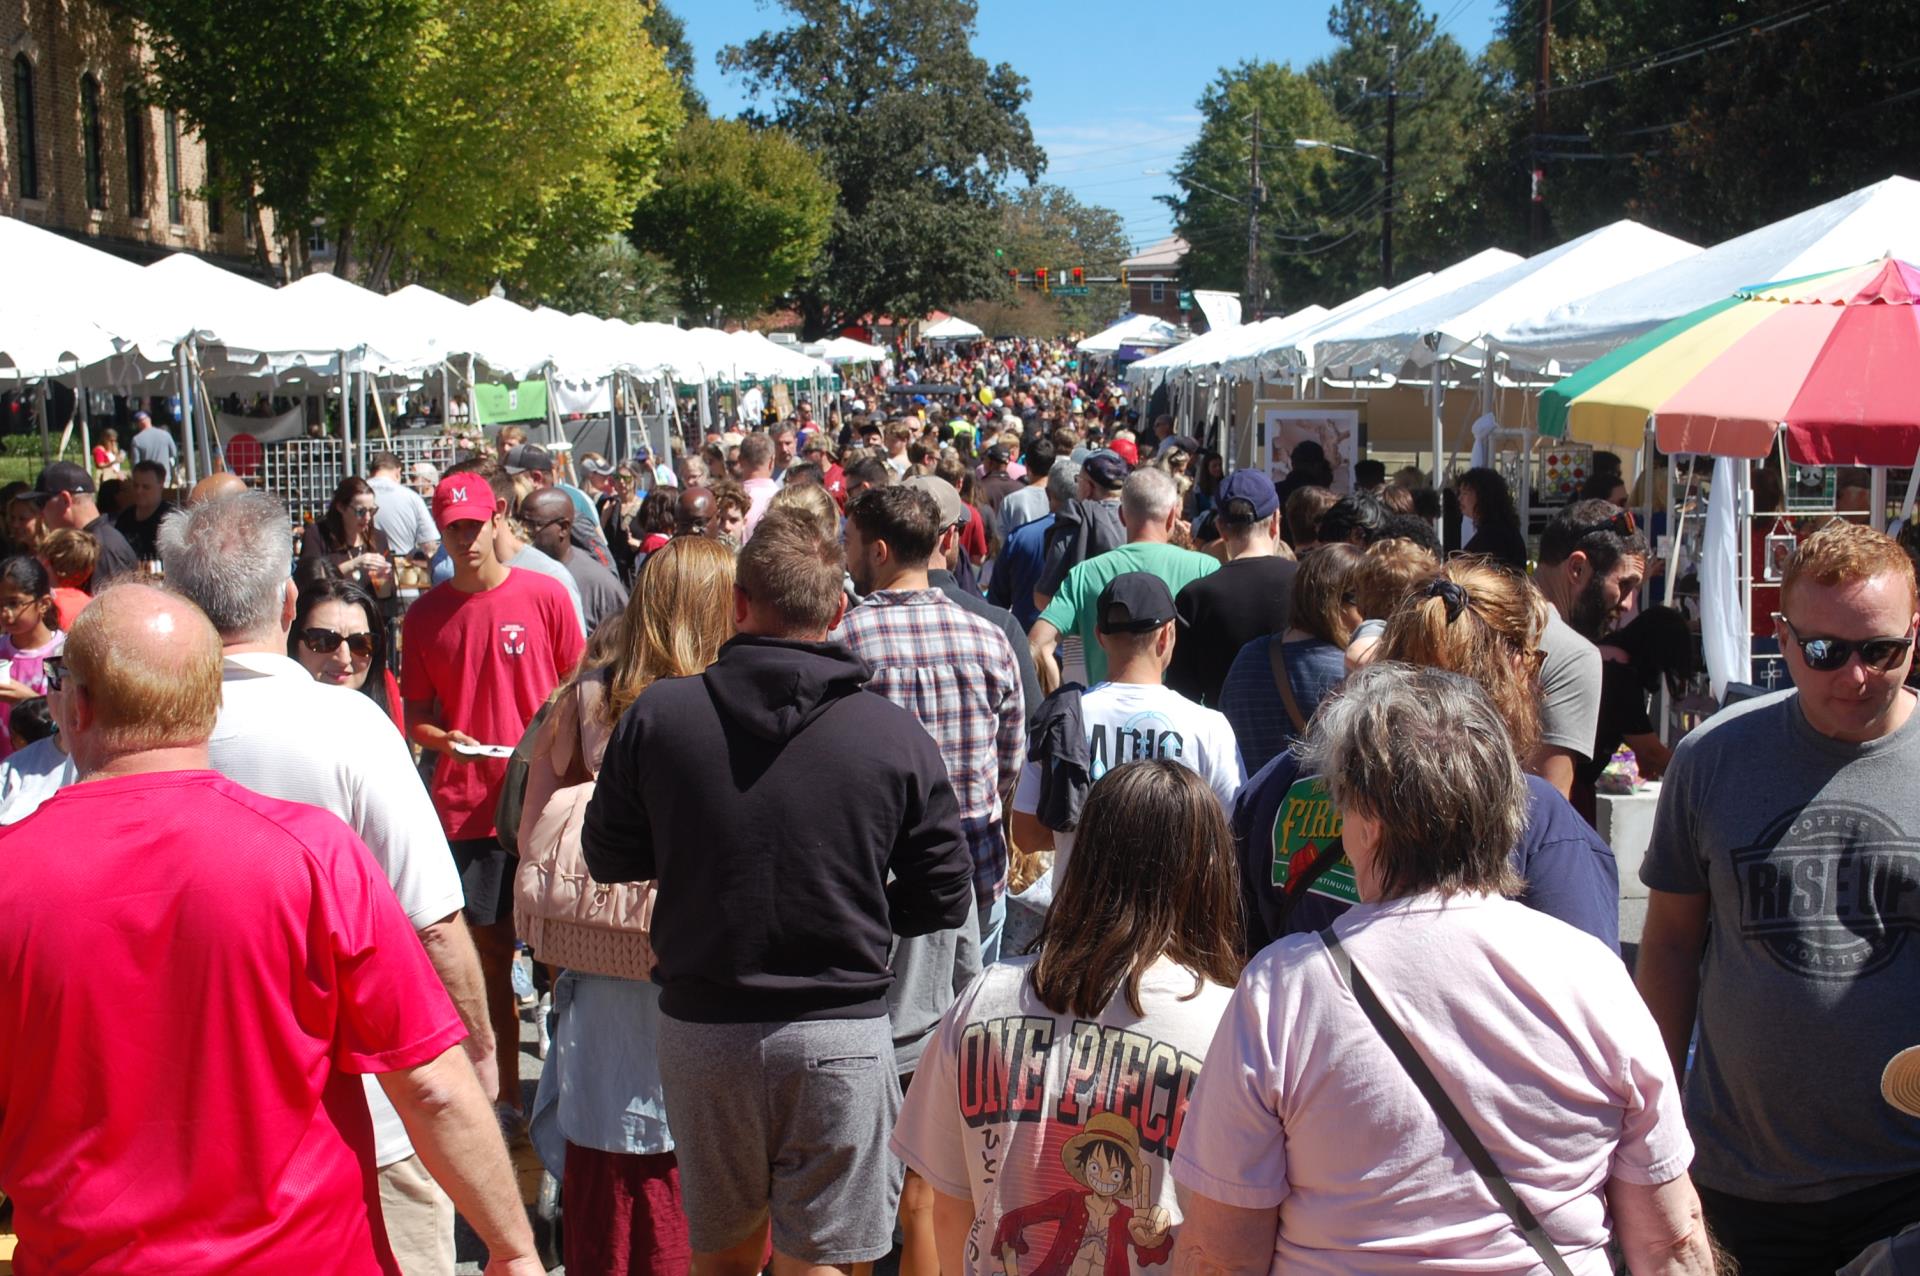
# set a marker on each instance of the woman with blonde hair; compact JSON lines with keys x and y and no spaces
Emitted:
{"x":1391,"y":569}
{"x":601,"y":1090}
{"x":1479,"y":620}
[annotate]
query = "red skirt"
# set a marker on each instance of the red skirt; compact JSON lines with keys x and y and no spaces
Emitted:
{"x":621,"y":1215}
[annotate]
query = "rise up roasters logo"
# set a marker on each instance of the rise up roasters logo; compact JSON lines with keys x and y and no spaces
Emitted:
{"x":1832,"y":891}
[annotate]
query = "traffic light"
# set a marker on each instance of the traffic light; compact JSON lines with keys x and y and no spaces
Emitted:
{"x":1040,"y":277}
{"x":1013,"y":277}
{"x":1079,"y":276}
{"x":1123,"y":277}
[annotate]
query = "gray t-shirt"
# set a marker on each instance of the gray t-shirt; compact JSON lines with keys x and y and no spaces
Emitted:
{"x":156,"y":444}
{"x":1810,"y":851}
{"x":402,"y":515}
{"x":1569,"y":688}
{"x":601,"y":594}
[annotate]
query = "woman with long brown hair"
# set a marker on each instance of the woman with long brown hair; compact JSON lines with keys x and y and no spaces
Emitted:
{"x":1045,"y":1108}
{"x":345,"y":542}
{"x":1472,"y":618}
{"x":601,"y":1090}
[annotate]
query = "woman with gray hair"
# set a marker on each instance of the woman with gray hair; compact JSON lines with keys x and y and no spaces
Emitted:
{"x":1442,"y":1076}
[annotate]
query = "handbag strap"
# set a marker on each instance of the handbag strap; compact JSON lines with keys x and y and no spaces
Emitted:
{"x":1443,"y":1107}
{"x":1277,"y":657}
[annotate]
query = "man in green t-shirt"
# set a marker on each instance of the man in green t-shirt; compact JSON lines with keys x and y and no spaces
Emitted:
{"x":1149,"y":507}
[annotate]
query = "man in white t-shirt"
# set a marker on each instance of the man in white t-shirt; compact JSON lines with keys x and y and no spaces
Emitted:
{"x":285,"y":735}
{"x":1132,"y":715}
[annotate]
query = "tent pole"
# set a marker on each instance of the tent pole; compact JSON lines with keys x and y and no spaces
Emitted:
{"x":346,"y":401}
{"x":86,"y":419}
{"x":1913,"y":491}
{"x":185,"y":389}
{"x":1878,"y":499}
{"x":1439,"y":444}
{"x":446,"y":399}
{"x":46,"y":441}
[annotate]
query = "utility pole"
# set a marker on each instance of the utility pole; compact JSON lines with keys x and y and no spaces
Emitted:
{"x":1538,"y":222}
{"x":1386,"y":166}
{"x":1251,"y":305}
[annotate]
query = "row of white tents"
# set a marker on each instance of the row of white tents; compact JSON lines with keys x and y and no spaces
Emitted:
{"x":1524,"y":320}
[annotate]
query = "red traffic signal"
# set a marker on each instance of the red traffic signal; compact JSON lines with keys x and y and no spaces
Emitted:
{"x":1040,"y":277}
{"x":1013,"y":277}
{"x":1079,"y":276}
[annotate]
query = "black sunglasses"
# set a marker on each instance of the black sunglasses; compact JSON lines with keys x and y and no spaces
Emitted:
{"x":55,"y":670}
{"x":326,"y":642}
{"x":1828,"y":654}
{"x":1621,"y":524}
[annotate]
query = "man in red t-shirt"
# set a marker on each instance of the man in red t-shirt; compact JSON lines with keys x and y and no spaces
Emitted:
{"x":480,"y":655}
{"x":190,"y":987}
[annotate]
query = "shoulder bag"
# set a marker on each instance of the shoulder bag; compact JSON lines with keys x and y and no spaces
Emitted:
{"x":566,"y":917}
{"x":1277,"y":657}
{"x":1443,"y":1107}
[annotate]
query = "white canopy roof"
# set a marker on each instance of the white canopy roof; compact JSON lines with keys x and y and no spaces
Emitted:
{"x":1453,"y":322}
{"x":847,"y":350}
{"x":1870,"y":223}
{"x":1221,"y":345}
{"x":952,"y":328}
{"x":1134,"y":330}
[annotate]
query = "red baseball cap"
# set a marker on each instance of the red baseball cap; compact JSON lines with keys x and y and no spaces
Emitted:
{"x":1128,"y":452}
{"x":462,"y":496}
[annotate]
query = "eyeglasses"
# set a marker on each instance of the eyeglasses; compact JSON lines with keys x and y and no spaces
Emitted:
{"x":325,"y":642}
{"x":1825,"y":655}
{"x":365,"y":511}
{"x":552,"y":522}
{"x":55,"y":670}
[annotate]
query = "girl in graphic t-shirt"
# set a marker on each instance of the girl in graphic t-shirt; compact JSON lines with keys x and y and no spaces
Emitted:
{"x":32,"y":632}
{"x":1046,"y":1109}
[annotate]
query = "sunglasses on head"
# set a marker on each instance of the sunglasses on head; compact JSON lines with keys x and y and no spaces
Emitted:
{"x":1620,"y":524}
{"x":54,"y":668}
{"x":1825,"y":655}
{"x":325,"y":642}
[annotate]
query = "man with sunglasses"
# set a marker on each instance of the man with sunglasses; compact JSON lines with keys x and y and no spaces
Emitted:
{"x":1784,"y":877}
{"x":1592,"y":563}
{"x":549,"y":516}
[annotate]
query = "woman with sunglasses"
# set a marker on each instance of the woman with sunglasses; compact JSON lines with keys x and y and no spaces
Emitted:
{"x":339,"y":637}
{"x":30,"y":633}
{"x":1478,"y":619}
{"x":345,"y":542}
{"x":618,"y":510}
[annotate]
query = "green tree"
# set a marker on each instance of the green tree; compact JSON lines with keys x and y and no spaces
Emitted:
{"x":669,"y":33}
{"x":739,"y":213}
{"x":1308,"y":211}
{"x":918,"y":133}
{"x":615,"y":280}
{"x":1388,"y":44}
{"x":1046,"y":226}
{"x":528,"y":129}
{"x":277,"y":88}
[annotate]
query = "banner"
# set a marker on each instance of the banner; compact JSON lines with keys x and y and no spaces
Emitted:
{"x":1283,"y":424}
{"x":496,"y":404}
{"x":1222,"y":309}
{"x":583,"y":398}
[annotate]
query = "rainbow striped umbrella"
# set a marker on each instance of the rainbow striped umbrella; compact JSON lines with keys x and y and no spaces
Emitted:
{"x":1834,"y":358}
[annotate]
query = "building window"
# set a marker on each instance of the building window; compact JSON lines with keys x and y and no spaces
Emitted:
{"x":176,"y":212}
{"x":92,"y":143}
{"x":246,"y":221}
{"x":317,"y":239}
{"x":1159,"y":291}
{"x":216,"y":205}
{"x":27,"y":135}
{"x":136,"y":129}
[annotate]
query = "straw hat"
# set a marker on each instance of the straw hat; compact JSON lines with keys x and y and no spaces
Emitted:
{"x":1105,"y":1125}
{"x":1900,"y":1083}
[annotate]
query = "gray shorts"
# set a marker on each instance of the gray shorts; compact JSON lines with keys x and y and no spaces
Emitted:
{"x":790,"y":1120}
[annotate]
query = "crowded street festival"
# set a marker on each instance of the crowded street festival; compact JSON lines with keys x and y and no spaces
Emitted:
{"x":1067,"y":767}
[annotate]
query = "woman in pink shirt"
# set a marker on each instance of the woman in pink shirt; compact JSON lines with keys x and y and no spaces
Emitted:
{"x":1310,"y":1148}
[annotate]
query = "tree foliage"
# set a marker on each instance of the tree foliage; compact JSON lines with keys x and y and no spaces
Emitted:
{"x":669,"y":34}
{"x":1046,"y":225}
{"x":614,"y":279}
{"x":740,"y":214}
{"x":918,"y":133}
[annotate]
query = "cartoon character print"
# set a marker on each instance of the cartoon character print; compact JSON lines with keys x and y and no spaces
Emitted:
{"x":513,"y":639}
{"x":1096,"y":1221}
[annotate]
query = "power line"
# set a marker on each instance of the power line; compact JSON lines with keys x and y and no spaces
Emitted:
{"x":1700,"y":46}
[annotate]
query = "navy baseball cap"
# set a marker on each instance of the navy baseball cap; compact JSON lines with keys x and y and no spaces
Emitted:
{"x":1252,"y":487}
{"x":1106,"y":468}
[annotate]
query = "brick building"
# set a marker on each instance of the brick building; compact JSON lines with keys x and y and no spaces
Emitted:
{"x":82,"y":153}
{"x":1153,"y":279}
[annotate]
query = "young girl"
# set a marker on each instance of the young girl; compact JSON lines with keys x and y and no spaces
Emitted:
{"x":31,"y":631}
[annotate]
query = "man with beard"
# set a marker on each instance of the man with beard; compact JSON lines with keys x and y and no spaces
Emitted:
{"x":1592,"y":563}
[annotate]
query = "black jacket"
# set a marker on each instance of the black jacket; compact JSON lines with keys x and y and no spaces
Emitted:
{"x":771,"y":798}
{"x":1057,"y":742}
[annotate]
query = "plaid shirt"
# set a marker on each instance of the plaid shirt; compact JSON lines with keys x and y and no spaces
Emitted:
{"x":956,"y":673}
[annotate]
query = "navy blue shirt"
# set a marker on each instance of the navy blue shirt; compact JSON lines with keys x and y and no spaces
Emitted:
{"x":1017,"y":571}
{"x":1570,"y":873}
{"x":1252,"y":702}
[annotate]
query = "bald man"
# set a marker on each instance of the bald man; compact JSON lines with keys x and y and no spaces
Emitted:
{"x":303,"y":971}
{"x":548,"y":515}
{"x":215,"y":486}
{"x":694,"y":513}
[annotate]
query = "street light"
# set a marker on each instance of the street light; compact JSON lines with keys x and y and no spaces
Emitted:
{"x":1386,"y":200}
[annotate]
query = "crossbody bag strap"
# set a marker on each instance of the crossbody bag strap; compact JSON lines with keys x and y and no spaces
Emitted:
{"x":1277,"y":657}
{"x":1436,"y":1096}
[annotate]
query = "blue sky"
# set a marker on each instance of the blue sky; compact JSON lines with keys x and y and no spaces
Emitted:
{"x":1114,"y":84}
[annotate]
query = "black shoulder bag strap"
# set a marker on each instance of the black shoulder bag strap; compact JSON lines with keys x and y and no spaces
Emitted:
{"x":1429,"y":1086}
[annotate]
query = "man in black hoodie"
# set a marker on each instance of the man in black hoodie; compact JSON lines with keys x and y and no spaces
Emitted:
{"x":793,"y":825}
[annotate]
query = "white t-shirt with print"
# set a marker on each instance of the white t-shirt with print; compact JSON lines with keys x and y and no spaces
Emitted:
{"x":1131,"y":721}
{"x":1060,"y":1130}
{"x":1534,"y":1029}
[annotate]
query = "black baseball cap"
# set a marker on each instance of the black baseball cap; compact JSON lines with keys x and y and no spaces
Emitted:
{"x":61,"y":476}
{"x":999,"y":452}
{"x":1134,"y":603}
{"x":1106,"y":468}
{"x":528,"y":456}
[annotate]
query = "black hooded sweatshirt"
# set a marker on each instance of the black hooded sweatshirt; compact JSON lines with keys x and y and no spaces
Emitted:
{"x":770,"y":798}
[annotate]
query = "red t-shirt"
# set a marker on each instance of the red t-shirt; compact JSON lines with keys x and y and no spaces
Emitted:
{"x":973,"y":537}
{"x":188,"y":987}
{"x":491,"y":660}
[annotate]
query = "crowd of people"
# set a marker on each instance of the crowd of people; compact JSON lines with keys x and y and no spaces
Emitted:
{"x":978,"y":829}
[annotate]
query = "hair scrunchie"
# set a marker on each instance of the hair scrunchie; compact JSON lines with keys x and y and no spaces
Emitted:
{"x":1450,"y":593}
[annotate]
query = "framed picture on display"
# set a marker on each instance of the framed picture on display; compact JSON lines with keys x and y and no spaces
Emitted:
{"x":1337,"y":426}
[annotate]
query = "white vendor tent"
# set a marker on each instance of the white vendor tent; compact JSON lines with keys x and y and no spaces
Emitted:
{"x":1872,"y":222}
{"x":952,"y":328}
{"x":847,"y":350}
{"x":1452,"y":324}
{"x":1134,"y":330}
